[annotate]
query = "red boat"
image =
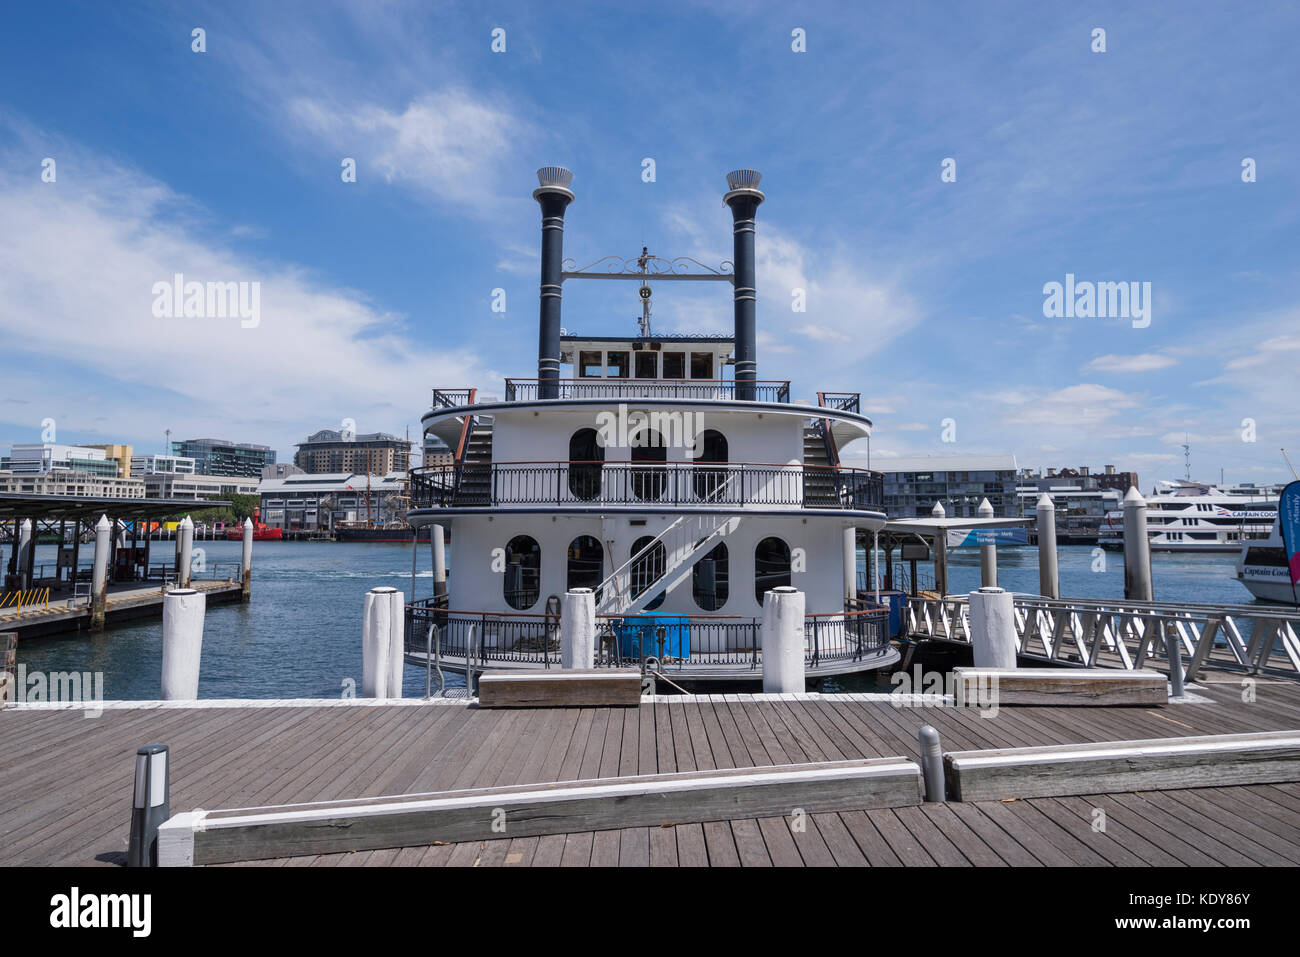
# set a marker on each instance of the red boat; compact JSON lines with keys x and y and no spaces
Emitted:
{"x":261,"y":532}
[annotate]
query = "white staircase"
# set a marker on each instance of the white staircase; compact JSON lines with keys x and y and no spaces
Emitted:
{"x":685,"y":542}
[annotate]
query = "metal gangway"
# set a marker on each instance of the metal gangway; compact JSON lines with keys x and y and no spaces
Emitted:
{"x":1115,"y":633}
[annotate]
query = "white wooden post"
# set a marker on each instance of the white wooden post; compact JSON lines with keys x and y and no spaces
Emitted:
{"x":1137,"y":548}
{"x":183,"y":610}
{"x":1049,"y":581}
{"x":578,"y":629}
{"x":382,"y":659}
{"x":993,"y":628}
{"x":989,"y":552}
{"x":99,"y":575}
{"x":438,"y":537}
{"x":850,"y":564}
{"x":24,"y":568}
{"x":186,"y":550}
{"x":783,"y":641}
{"x":246,"y":562}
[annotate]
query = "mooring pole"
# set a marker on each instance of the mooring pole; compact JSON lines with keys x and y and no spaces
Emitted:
{"x":932,"y":764}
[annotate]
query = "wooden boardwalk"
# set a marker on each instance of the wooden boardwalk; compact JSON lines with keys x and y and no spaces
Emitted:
{"x":123,"y":603}
{"x":65,"y":779}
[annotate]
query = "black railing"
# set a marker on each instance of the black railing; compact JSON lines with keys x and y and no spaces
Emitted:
{"x":525,"y":390}
{"x":451,"y":398}
{"x":840,"y":401}
{"x":635,"y":483}
{"x":677,"y":642}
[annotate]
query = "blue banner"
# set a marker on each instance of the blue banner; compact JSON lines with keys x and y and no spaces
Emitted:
{"x":1288,"y":518}
{"x":967,"y":537}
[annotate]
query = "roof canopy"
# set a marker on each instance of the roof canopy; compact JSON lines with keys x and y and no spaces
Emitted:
{"x":933,"y":526}
{"x":55,"y":507}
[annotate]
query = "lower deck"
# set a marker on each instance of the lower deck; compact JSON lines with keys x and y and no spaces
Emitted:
{"x":65,"y":778}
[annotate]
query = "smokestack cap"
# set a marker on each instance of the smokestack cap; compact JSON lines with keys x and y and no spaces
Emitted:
{"x":743,"y":182}
{"x":554,"y":179}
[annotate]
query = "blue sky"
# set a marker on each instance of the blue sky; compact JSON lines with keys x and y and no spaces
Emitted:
{"x":925,"y":296}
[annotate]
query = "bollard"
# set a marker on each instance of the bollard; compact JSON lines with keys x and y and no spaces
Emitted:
{"x":988,"y":553}
{"x":1137,"y":548}
{"x":578,"y":629}
{"x":183,"y":610}
{"x":783,"y":641}
{"x":99,"y":576}
{"x":150,"y":804}
{"x":382,"y":652}
{"x":1174,"y":649}
{"x":246,"y":562}
{"x":1049,"y":581}
{"x":26,"y":553}
{"x":992,"y":628}
{"x":186,"y":550}
{"x":932,"y":765}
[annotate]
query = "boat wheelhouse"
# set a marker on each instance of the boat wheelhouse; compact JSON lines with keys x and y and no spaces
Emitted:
{"x":658,"y":471}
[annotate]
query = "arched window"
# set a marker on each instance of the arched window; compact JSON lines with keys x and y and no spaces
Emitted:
{"x":648,"y":569}
{"x":584,"y":478}
{"x":771,"y":566}
{"x":523,"y":579}
{"x":648,"y":483}
{"x":709,"y":579}
{"x":712,"y":449}
{"x":586,"y":563}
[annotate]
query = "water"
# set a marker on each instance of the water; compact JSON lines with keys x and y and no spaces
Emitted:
{"x":300,"y":636}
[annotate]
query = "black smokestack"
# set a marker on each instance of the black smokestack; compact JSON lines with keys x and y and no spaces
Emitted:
{"x":743,"y":197}
{"x":554,"y":196}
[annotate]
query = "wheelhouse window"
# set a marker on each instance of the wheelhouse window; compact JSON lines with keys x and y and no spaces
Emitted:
{"x":701,"y":365}
{"x":674,"y":365}
{"x":709,"y":579}
{"x":647,"y":365}
{"x":650,"y":480}
{"x":585,"y":457}
{"x":586,"y":563}
{"x":617,"y":365}
{"x":771,"y":566}
{"x":522,"y":582}
{"x":648,"y":569}
{"x":712,"y":449}
{"x":590,"y":365}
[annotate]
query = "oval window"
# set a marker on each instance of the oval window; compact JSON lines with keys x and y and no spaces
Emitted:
{"x":709,"y":579}
{"x":648,"y":569}
{"x":522,"y":583}
{"x":586,"y":455}
{"x":712,"y":449}
{"x":771,"y":566}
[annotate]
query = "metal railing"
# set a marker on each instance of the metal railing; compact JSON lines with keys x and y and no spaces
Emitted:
{"x":525,"y":390}
{"x":1126,"y":634}
{"x":679,"y":643}
{"x":700,"y":485}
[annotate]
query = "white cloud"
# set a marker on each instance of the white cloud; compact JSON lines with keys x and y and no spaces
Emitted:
{"x":1145,"y":362}
{"x":80,"y":260}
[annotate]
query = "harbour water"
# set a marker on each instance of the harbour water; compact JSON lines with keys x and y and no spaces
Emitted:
{"x":300,"y":636}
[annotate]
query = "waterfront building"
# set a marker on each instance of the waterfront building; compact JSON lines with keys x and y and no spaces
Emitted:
{"x":657,"y":470}
{"x":220,"y":457}
{"x":331,"y":451}
{"x":309,"y":501}
{"x":122,"y":453}
{"x":60,"y":481}
{"x":142,"y":465}
{"x":280,"y":470}
{"x":1080,"y":500}
{"x":45,"y":457}
{"x":436,"y":452}
{"x":915,"y":484}
{"x":193,"y":487}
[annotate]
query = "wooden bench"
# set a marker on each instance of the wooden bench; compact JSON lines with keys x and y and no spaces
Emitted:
{"x":1111,"y":767}
{"x":1060,"y":686}
{"x":650,"y":800}
{"x":578,"y":688}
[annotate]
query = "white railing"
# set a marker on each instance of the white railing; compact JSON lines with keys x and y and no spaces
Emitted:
{"x":1126,"y":634}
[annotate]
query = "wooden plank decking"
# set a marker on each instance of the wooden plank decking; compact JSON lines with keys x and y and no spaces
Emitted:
{"x":65,"y":779}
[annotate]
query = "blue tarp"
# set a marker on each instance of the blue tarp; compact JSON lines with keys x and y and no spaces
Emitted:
{"x":638,"y":636}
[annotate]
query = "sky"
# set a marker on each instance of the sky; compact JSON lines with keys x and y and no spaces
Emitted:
{"x":929,"y":169}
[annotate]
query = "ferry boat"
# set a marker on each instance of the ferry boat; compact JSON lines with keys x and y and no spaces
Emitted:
{"x":636,"y":466}
{"x":1192,"y":517}
{"x":1263,"y":570}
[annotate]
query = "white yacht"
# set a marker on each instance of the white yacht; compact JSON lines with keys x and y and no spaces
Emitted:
{"x":1263,"y":569}
{"x":1192,"y":517}
{"x":679,"y":494}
